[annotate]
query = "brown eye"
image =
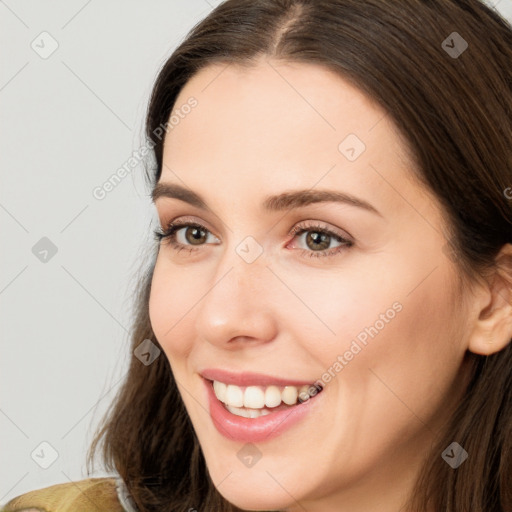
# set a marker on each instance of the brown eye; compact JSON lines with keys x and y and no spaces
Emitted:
{"x":317,"y":241}
{"x":180,"y":235}
{"x":195,"y":235}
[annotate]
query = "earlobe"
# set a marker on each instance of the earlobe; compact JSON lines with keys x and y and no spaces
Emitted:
{"x":492,"y":330}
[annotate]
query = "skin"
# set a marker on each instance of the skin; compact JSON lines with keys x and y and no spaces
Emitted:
{"x":275,"y":127}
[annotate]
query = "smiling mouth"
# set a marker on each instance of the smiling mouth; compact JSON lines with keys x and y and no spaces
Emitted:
{"x":256,"y":401}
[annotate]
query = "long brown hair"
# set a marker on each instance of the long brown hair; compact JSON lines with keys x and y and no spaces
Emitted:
{"x":455,"y":113}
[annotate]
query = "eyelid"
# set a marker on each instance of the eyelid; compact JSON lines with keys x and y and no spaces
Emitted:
{"x":188,"y":219}
{"x":312,"y":224}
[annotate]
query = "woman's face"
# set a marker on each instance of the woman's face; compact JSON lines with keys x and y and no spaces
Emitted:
{"x":320,"y":259}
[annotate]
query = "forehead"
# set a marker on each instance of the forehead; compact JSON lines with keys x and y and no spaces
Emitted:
{"x":268,"y":95}
{"x":281,"y":125}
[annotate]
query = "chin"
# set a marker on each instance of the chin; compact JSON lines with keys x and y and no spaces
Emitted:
{"x":254,"y":488}
{"x":258,"y":497}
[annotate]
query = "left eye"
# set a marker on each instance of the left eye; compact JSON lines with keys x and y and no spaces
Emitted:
{"x":319,"y":240}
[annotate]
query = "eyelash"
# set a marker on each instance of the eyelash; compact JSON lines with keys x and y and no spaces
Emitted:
{"x":170,"y":235}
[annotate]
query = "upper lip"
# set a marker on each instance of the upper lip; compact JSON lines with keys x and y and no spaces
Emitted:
{"x":250,"y":378}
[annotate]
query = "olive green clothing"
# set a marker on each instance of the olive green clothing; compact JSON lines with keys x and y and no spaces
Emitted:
{"x":89,"y":495}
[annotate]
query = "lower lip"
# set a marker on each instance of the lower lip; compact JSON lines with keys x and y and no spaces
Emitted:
{"x":252,"y":430}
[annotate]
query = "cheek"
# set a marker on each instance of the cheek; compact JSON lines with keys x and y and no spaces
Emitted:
{"x":173,"y":296}
{"x":341,"y":310}
{"x":394,"y":357}
{"x":409,"y":364}
{"x":399,"y":326}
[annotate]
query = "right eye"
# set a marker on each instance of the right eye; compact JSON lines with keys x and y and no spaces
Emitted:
{"x":185,"y":234}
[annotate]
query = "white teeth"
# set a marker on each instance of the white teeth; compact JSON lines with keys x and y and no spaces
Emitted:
{"x":247,"y":413}
{"x":234,"y":396}
{"x":289,"y":395}
{"x":258,"y":397}
{"x":239,"y":412}
{"x":272,"y":396}
{"x":220,"y":390}
{"x":254,"y":397}
{"x":303,"y":394}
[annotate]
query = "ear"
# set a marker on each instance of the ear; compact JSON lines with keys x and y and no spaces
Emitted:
{"x":492,"y":324}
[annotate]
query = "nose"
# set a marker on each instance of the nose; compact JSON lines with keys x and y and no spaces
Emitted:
{"x":238,"y":307}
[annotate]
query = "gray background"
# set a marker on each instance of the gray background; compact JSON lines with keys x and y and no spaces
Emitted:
{"x":69,"y":120}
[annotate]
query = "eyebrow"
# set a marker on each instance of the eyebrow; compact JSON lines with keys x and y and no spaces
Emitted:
{"x":275,"y":203}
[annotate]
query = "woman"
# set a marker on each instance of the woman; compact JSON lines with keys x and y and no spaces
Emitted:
{"x":375,"y":133}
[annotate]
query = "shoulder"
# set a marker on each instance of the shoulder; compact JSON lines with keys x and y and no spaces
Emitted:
{"x":89,"y":495}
